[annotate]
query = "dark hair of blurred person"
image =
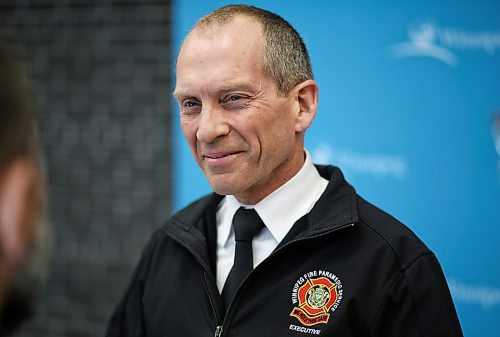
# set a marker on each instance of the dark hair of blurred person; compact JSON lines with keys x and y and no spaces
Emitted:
{"x":22,"y":236}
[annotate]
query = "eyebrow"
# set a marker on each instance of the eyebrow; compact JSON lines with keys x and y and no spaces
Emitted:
{"x":225,"y":88}
{"x":240,"y":86}
{"x":178,"y":94}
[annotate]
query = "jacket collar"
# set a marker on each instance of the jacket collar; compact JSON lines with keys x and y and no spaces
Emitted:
{"x":336,"y":208}
{"x":191,"y":215}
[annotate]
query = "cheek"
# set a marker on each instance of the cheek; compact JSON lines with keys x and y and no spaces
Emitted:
{"x":278,"y":141}
{"x":278,"y":132}
{"x":189,"y":129}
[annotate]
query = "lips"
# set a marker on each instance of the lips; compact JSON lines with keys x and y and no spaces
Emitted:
{"x":217,"y":155}
{"x":220,"y":158}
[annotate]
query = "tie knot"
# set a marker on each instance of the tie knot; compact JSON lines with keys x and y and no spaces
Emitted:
{"x":246,"y":224}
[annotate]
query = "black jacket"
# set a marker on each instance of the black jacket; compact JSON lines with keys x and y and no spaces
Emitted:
{"x":345,"y":269}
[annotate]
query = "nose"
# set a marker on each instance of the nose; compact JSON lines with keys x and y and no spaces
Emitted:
{"x":212,"y":125}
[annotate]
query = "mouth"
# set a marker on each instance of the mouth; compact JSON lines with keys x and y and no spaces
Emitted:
{"x":220,"y":158}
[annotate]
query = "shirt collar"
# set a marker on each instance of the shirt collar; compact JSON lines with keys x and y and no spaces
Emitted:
{"x":280,"y":209}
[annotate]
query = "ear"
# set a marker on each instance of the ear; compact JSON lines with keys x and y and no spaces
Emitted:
{"x":307,"y":99}
{"x":20,"y":197}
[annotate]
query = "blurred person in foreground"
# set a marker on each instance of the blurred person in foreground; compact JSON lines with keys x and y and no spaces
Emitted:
{"x":22,"y":251}
{"x":283,"y":247}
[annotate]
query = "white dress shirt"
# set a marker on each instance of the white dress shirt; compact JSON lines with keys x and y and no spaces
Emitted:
{"x":279,"y":211}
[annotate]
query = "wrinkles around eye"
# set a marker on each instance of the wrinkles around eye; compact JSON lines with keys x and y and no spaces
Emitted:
{"x":190,"y":107}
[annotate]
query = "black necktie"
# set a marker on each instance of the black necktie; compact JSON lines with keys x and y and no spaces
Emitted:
{"x":246,"y":224}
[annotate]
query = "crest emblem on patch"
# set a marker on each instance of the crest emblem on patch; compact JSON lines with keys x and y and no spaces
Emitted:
{"x":316,"y":295}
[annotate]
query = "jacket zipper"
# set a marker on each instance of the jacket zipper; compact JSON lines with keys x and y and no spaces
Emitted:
{"x":218,"y":328}
{"x":206,"y":267}
{"x":218,"y":331}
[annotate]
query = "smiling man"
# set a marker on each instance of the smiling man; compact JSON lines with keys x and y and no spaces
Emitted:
{"x":282,"y":247}
{"x":246,"y":136}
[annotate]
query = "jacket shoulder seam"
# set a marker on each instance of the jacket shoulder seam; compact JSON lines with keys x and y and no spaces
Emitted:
{"x":414,"y":307}
{"x":395,"y":280}
{"x":403,"y":263}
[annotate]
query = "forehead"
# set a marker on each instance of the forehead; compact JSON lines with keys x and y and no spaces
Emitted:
{"x":221,"y":53}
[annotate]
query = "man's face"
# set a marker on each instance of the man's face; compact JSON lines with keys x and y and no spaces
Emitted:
{"x":241,"y":133}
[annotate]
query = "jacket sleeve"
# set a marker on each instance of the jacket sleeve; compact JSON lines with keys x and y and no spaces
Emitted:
{"x":127,"y":319}
{"x":418,"y":304}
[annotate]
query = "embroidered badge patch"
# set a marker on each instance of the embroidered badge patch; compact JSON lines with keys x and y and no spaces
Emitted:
{"x":316,"y":295}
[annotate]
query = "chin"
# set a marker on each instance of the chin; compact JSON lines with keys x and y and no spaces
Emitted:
{"x":225,"y":186}
{"x":224,"y":189}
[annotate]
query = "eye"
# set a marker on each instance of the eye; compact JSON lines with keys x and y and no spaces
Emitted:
{"x":234,"y":101}
{"x":234,"y":98}
{"x":190,"y":106}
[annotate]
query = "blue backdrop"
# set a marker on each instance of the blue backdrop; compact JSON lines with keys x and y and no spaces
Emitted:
{"x":410,"y":110}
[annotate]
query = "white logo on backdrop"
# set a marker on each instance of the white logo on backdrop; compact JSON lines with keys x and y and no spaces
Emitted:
{"x":377,"y":165}
{"x":487,"y":297}
{"x":495,"y":131}
{"x":430,"y":40}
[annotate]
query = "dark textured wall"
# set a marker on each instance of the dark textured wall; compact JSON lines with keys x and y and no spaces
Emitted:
{"x":100,"y":72}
